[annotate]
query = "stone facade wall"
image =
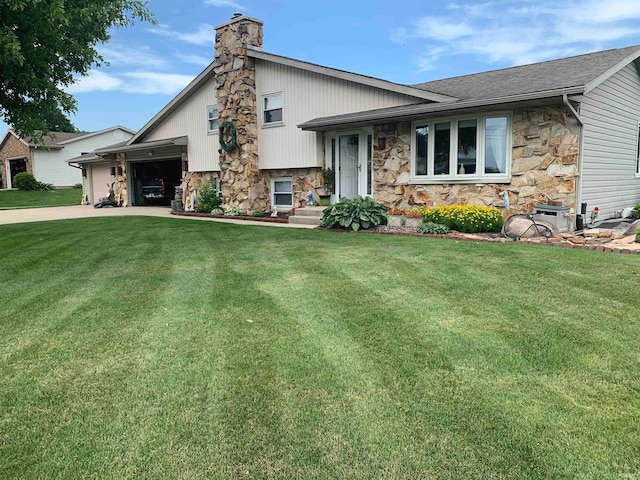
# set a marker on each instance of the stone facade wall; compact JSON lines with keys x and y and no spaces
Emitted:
{"x":13,"y":148}
{"x":243,"y":184}
{"x":544,"y":166}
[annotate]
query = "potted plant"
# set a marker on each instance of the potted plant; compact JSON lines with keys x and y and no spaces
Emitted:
{"x":328,"y":177}
{"x":395,"y":217}
{"x":413,"y":217}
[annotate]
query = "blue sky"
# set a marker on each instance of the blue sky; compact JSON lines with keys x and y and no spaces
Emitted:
{"x":403,"y":41}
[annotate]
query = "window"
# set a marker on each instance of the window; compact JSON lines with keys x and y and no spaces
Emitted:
{"x":212,"y":119}
{"x":272,"y":105}
{"x":282,"y":192}
{"x":467,"y":148}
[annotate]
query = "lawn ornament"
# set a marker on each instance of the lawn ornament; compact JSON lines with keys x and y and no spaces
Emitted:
{"x":310,"y":199}
{"x":505,"y":198}
{"x":109,"y":201}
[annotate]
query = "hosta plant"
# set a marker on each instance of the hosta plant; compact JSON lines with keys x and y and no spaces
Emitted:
{"x":355,"y":214}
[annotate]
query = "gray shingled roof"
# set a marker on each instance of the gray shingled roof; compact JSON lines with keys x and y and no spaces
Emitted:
{"x":536,"y":77}
{"x":498,"y":87}
{"x":54,"y":138}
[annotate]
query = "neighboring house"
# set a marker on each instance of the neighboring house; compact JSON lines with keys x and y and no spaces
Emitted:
{"x":564,"y":130}
{"x":48,"y":160}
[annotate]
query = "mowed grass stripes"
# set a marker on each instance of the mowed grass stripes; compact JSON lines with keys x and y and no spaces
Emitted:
{"x":159,"y":348}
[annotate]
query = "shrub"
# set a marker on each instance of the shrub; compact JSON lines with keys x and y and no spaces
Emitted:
{"x":433,"y":228}
{"x":217,"y":211}
{"x":77,"y":186}
{"x":257,"y":213}
{"x":208,"y":198}
{"x":25,"y":181}
{"x":466,"y":218}
{"x":355,"y":214}
{"x":234,"y":212}
{"x":636,"y":210}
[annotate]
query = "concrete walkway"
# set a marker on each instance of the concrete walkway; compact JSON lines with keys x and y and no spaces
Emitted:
{"x":25,"y":215}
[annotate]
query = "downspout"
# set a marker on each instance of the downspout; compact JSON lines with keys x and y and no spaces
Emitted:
{"x":567,"y":103}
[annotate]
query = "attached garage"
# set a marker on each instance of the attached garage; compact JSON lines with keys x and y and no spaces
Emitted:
{"x":153,"y":182}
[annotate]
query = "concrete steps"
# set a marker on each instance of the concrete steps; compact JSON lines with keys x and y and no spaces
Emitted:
{"x":307,"y":216}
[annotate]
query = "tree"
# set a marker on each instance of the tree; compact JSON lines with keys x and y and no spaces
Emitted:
{"x":56,"y":121}
{"x":44,"y":44}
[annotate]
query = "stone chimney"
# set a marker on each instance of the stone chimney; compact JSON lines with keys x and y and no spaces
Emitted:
{"x":242,"y":183}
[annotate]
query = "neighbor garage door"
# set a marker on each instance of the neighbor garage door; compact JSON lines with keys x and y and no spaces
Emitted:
{"x":100,"y":179}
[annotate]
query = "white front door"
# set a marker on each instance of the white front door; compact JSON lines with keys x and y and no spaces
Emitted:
{"x":348,"y":148}
{"x":352,"y":160}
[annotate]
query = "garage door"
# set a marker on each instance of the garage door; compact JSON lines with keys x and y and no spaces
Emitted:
{"x":100,"y":179}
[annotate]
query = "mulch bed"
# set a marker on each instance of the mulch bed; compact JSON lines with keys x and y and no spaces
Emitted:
{"x":282,"y":218}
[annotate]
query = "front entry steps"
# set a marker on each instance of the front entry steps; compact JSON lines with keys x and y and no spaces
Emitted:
{"x":307,"y":216}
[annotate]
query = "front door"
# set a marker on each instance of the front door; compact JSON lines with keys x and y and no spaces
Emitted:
{"x":353,"y":162}
{"x":16,"y":167}
{"x":349,"y":164}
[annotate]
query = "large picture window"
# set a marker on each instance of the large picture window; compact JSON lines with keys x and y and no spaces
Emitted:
{"x":464,"y":149}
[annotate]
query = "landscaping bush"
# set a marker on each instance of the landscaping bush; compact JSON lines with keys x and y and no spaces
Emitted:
{"x":77,"y":186}
{"x":433,"y":228}
{"x":257,"y":213}
{"x":636,"y":210}
{"x":466,"y":218}
{"x":27,"y":182}
{"x":355,"y":214}
{"x":208,"y":198}
{"x":234,"y":212}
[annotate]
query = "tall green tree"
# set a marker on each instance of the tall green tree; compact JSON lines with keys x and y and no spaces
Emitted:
{"x":56,"y":121}
{"x":44,"y":44}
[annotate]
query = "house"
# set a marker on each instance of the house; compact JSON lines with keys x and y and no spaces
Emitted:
{"x":564,"y":130}
{"x":47,"y":160}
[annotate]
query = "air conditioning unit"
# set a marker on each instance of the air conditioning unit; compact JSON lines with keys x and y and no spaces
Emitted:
{"x":559,"y":217}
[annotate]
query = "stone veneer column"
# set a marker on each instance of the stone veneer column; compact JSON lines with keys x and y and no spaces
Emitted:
{"x":121,"y":186}
{"x":242,"y":182}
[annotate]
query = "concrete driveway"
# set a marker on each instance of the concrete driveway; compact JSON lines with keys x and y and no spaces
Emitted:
{"x":25,"y":215}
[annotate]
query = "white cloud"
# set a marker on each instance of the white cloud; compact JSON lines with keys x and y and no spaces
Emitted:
{"x":140,"y":55}
{"x":203,"y":36}
{"x":515,"y":32}
{"x":154,"y":83}
{"x":199,"y":60}
{"x":142,"y":82}
{"x":96,"y":81}
{"x":224,"y":3}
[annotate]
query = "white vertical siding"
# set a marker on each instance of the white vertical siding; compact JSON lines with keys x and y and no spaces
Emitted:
{"x":610,"y":114}
{"x":50,"y":166}
{"x":191,"y":120}
{"x":309,"y":95}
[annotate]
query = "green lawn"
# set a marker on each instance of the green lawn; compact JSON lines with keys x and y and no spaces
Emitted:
{"x":10,"y":199}
{"x":161,"y":348}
